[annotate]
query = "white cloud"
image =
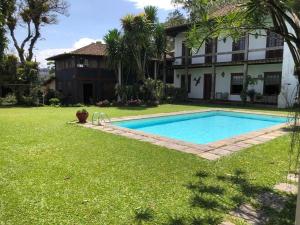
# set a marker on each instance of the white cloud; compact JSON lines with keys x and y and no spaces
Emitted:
{"x":42,"y":55}
{"x":161,"y":4}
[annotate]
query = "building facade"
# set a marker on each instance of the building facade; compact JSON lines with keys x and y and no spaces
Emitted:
{"x":216,"y":70}
{"x":83,"y":76}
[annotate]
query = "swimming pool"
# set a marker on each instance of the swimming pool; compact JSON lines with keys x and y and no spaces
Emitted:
{"x":203,"y":127}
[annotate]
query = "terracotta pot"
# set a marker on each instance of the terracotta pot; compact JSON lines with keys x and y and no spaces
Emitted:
{"x":82,"y":116}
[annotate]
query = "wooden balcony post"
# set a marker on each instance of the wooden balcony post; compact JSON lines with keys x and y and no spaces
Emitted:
{"x":165,"y":72}
{"x":246,"y":57}
{"x":186,"y":66}
{"x":214,"y":60}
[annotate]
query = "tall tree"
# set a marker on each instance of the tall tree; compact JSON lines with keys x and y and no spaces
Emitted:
{"x":139,"y":37}
{"x":32,"y":14}
{"x":3,"y":39}
{"x":116,"y":51}
{"x":175,"y":18}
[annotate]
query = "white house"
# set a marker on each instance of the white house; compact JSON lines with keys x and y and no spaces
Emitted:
{"x":216,"y":70}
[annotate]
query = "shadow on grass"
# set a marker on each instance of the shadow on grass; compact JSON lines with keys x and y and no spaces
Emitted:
{"x":214,"y":196}
{"x":218,"y":195}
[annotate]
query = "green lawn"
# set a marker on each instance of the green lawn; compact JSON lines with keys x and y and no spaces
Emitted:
{"x":52,"y":172}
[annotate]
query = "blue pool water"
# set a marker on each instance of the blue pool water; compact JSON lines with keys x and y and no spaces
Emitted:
{"x":203,"y":128}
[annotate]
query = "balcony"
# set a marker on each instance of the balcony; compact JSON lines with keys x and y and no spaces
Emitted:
{"x":254,"y":56}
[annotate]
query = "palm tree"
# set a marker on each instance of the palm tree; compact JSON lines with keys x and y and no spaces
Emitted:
{"x":115,"y":51}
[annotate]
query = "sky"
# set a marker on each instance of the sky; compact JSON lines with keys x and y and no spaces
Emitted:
{"x":88,"y":21}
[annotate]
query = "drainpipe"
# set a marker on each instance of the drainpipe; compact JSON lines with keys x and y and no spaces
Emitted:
{"x":246,"y":57}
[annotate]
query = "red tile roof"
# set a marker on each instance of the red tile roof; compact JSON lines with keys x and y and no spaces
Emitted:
{"x":94,"y":49}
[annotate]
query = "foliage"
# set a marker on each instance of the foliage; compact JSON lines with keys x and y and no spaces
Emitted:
{"x":234,"y":18}
{"x":251,"y":94}
{"x":9,"y":100}
{"x":33,"y":98}
{"x":51,"y":68}
{"x":31,"y":15}
{"x":141,"y":39}
{"x":152,"y":90}
{"x":54,"y":102}
{"x":136,"y":102}
{"x":175,"y":18}
{"x":123,"y":177}
{"x":104,"y":103}
{"x":8,"y":69}
{"x":52,"y":94}
{"x":29,"y":72}
{"x":249,"y":81}
{"x":82,"y":111}
{"x":3,"y":38}
{"x":175,"y":94}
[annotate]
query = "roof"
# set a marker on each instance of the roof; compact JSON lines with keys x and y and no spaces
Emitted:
{"x":225,"y":9}
{"x":94,"y":49}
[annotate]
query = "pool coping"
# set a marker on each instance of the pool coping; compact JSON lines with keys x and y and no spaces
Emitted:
{"x":211,"y":151}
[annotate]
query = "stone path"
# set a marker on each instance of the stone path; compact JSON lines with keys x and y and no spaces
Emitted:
{"x":287,"y":188}
{"x":212,"y":151}
{"x":254,"y":216}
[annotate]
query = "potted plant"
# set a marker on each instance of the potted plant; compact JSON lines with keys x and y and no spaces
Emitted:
{"x":251,"y":94}
{"x":82,"y":115}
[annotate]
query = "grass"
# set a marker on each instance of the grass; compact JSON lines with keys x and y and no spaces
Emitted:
{"x":52,"y":172}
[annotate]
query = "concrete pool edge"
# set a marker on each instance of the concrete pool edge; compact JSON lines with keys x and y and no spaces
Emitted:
{"x":211,"y":151}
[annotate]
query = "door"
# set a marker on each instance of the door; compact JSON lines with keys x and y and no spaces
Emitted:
{"x":207,"y":86}
{"x":88,"y":93}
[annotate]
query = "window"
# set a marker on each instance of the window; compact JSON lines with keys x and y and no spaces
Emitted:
{"x":86,"y":63}
{"x":272,"y":83}
{"x":274,"y":40}
{"x":209,"y":49}
{"x":236,"y":83}
{"x":80,"y":63}
{"x":238,"y":46}
{"x":184,"y":54}
{"x":189,"y":82}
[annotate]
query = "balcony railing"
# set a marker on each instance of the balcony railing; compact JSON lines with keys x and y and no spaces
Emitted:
{"x":232,"y":56}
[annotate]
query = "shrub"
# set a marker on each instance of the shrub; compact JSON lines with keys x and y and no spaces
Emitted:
{"x":9,"y":100}
{"x":251,"y":94}
{"x":152,"y":90}
{"x":52,"y":94}
{"x":28,"y":101}
{"x":136,"y":102}
{"x":78,"y":105}
{"x":104,"y":103}
{"x":174,"y":94}
{"x":54,"y":102}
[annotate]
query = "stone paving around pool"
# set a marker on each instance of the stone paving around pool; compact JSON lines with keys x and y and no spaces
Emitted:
{"x":212,"y":151}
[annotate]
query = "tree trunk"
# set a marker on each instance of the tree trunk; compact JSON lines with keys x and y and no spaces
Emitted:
{"x":155,"y":70}
{"x":119,"y":77}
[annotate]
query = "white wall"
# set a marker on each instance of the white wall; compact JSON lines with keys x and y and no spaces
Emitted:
{"x":289,"y":82}
{"x":256,"y":43}
{"x":223,"y":84}
{"x":224,"y":47}
{"x":178,"y":48}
